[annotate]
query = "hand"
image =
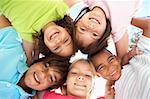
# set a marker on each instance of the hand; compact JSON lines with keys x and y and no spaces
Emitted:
{"x":133,"y":52}
{"x":4,"y":22}
{"x":109,"y":90}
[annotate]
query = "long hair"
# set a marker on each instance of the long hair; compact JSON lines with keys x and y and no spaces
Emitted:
{"x":66,"y":23}
{"x":100,"y":43}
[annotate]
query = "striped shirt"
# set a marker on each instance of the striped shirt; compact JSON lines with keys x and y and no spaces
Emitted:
{"x":134,"y":82}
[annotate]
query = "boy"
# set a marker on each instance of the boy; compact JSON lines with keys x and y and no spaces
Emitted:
{"x":132,"y":82}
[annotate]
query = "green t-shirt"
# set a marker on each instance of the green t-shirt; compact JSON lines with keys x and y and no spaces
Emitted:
{"x":29,"y":16}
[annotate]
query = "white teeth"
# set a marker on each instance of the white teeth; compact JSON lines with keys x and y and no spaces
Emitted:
{"x":94,"y":20}
{"x":54,"y":35}
{"x":36,"y":78}
{"x":113,"y":73}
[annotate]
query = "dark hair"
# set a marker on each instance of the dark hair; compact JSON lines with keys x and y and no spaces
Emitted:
{"x":56,"y":62}
{"x":103,"y":50}
{"x":66,"y":23}
{"x":100,"y":43}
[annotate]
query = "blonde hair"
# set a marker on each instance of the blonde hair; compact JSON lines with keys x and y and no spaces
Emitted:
{"x":93,"y":71}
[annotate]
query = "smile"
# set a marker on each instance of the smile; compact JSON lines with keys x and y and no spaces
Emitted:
{"x":54,"y":35}
{"x":111,"y":74}
{"x":95,"y":20}
{"x":36,"y":78}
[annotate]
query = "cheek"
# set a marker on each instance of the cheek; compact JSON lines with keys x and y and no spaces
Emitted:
{"x":89,"y":83}
{"x":49,"y":44}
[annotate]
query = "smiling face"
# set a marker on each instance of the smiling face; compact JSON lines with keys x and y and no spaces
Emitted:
{"x":80,"y":79}
{"x":58,"y":40}
{"x":90,"y":27}
{"x":40,"y":76}
{"x":107,"y":65}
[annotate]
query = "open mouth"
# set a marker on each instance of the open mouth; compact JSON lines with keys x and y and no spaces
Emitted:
{"x":36,"y":78}
{"x":54,"y":35}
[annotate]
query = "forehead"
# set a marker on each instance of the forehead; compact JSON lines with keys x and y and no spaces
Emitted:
{"x":101,"y":56}
{"x":82,"y":66}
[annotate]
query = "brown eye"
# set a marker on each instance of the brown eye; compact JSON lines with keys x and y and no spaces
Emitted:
{"x":94,"y":34}
{"x":66,"y":40}
{"x":87,"y":75}
{"x":100,"y":68}
{"x":82,"y":29}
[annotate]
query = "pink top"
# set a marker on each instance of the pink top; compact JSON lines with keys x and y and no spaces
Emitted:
{"x":120,"y":13}
{"x":53,"y":95}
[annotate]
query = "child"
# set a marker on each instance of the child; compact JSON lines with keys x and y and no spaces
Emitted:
{"x":93,"y":25}
{"x":29,"y":17}
{"x":79,"y":83}
{"x":132,"y":82}
{"x":55,"y":44}
{"x":16,"y":79}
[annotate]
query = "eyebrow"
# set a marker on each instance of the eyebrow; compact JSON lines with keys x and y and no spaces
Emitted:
{"x":110,"y":57}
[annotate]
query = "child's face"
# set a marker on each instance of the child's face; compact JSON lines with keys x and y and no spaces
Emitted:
{"x":40,"y":76}
{"x":107,"y":65}
{"x":90,"y":27}
{"x":58,"y":40}
{"x":80,"y":79}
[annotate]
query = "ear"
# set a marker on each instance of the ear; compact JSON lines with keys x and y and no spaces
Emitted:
{"x":98,"y":74}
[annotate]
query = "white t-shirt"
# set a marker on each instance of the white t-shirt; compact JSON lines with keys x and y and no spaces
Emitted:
{"x":134,"y":82}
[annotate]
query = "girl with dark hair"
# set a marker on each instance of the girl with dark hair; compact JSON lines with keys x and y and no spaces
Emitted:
{"x":94,"y":23}
{"x":30,"y":17}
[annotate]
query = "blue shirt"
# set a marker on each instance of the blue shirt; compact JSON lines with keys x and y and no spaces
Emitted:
{"x":12,"y":65}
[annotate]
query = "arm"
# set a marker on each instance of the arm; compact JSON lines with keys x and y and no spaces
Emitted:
{"x":4,"y":22}
{"x":28,"y":47}
{"x":142,"y":23}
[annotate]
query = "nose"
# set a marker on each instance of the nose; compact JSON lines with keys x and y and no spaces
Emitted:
{"x":57,"y":40}
{"x":80,"y":77}
{"x":90,"y":25}
{"x":42,"y":75}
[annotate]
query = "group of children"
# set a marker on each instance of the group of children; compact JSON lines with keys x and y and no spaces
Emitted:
{"x":45,"y":28}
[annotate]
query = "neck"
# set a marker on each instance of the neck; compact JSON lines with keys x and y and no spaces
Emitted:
{"x":22,"y":84}
{"x":70,"y":3}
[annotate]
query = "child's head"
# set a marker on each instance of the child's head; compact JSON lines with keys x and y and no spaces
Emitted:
{"x":107,"y":65}
{"x":56,"y":37}
{"x":92,"y":30}
{"x":80,"y":78}
{"x":48,"y":72}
